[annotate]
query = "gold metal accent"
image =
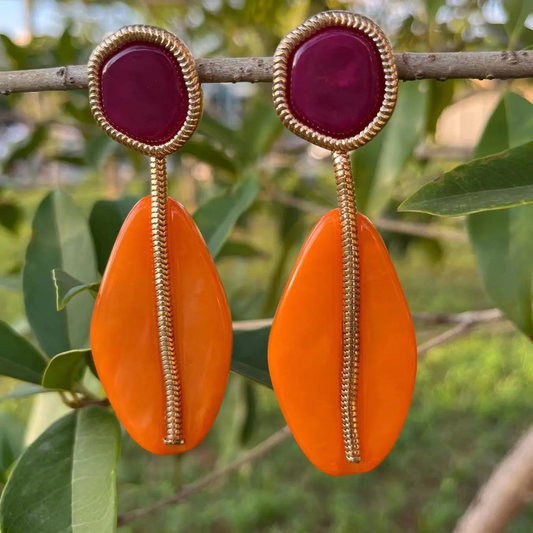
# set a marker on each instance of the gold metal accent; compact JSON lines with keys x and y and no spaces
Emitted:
{"x":345,"y":190}
{"x":165,"y":323}
{"x":159,"y":195}
{"x":351,"y":304}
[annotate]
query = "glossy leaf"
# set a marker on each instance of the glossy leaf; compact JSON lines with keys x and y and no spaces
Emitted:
{"x":378,"y":165}
{"x":11,"y":215}
{"x":439,"y":98}
{"x":502,"y":239}
{"x":517,"y":11}
{"x":235,"y":248}
{"x":504,"y":253}
{"x":105,"y":221}
{"x":212,"y":129}
{"x":11,"y":440}
{"x":25,"y":148}
{"x":16,"y":53}
{"x":100,"y":147}
{"x":72,"y":468}
{"x":23,"y":390}
{"x":19,"y":359}
{"x":260,"y":129}
{"x":61,"y":239}
{"x":250,"y":354}
{"x":492,"y":182}
{"x":206,"y":152}
{"x":65,"y":370}
{"x":498,"y":181}
{"x":217,"y":217}
{"x":67,"y":287}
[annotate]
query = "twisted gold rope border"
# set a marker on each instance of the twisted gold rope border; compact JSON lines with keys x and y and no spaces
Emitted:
{"x":281,"y":66}
{"x":159,"y":195}
{"x":345,"y":192}
{"x":168,"y":40}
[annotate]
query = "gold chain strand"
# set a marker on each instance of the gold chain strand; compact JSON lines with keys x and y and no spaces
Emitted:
{"x":174,"y":421}
{"x":351,"y":304}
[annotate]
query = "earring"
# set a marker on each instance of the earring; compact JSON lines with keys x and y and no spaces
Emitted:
{"x":161,"y":330}
{"x":342,"y":351}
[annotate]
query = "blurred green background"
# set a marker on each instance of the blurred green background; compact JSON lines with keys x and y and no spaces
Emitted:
{"x":473,"y":396}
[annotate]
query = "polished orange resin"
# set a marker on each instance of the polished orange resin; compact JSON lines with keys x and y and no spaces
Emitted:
{"x":124,"y":333}
{"x":305,"y":350}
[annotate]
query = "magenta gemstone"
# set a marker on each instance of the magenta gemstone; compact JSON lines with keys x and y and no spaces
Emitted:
{"x":335,"y":82}
{"x":143,"y":93}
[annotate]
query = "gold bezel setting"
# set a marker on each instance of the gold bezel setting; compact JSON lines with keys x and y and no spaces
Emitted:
{"x":185,"y":60}
{"x":282,"y":57}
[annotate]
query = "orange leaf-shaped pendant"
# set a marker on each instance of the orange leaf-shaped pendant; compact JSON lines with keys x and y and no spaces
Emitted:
{"x":305,"y":350}
{"x":124,"y":330}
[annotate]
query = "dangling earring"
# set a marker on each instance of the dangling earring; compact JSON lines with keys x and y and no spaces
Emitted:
{"x":161,"y":329}
{"x":342,"y":351}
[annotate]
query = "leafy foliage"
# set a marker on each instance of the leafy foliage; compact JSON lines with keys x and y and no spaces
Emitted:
{"x":71,"y":464}
{"x":492,"y":182}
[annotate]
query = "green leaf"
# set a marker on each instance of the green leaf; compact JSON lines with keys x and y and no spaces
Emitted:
{"x":18,"y":54}
{"x":378,"y":165}
{"x":260,"y":129}
{"x":212,"y":129}
{"x":206,"y":152}
{"x":217,"y":217}
{"x":67,"y":287}
{"x":502,"y":239}
{"x":493,"y":181}
{"x":11,"y":215}
{"x":517,"y":12}
{"x":250,"y":354}
{"x":11,"y":440}
{"x":439,"y":98}
{"x":65,"y":370}
{"x":105,"y":221}
{"x":23,"y":390}
{"x":65,"y":481}
{"x":236,"y":248}
{"x":61,"y":239}
{"x":489,"y":183}
{"x":99,"y":148}
{"x":504,"y":253}
{"x":19,"y":359}
{"x":66,"y":51}
{"x":25,"y":148}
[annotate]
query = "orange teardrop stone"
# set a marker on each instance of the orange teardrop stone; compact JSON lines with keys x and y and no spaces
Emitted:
{"x":305,"y":350}
{"x":124,"y":333}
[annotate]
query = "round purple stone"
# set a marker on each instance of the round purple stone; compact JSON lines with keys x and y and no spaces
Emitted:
{"x":143,"y":93}
{"x":335,"y":82}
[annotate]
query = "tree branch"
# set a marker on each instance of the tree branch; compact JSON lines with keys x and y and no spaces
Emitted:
{"x":258,"y":451}
{"x":411,"y":66}
{"x":509,"y":487}
{"x":464,"y":322}
{"x":383,"y":224}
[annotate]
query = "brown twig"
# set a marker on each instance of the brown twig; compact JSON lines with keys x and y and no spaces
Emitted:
{"x":411,"y":66}
{"x":383,"y":224}
{"x":258,"y":451}
{"x":509,"y":487}
{"x":464,"y":322}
